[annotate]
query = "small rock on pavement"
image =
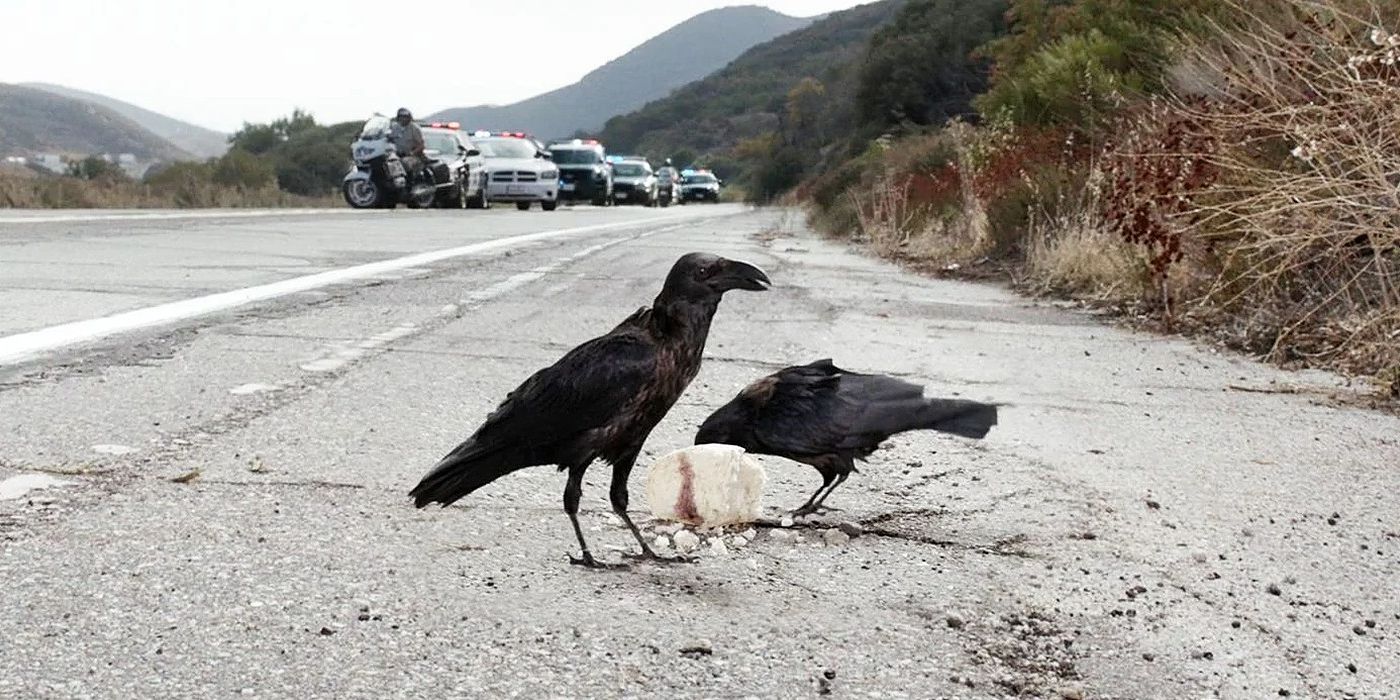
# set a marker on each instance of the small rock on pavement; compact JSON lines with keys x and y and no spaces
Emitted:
{"x":835,"y":537}
{"x":717,"y":547}
{"x":852,"y":529}
{"x":699,"y":648}
{"x":784,"y":536}
{"x":955,"y":621}
{"x":686,"y":541}
{"x":1072,"y":693}
{"x":787,"y":521}
{"x":661,"y":542}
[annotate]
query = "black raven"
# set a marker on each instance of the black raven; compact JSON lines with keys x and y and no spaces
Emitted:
{"x":827,"y":417}
{"x":602,"y":399}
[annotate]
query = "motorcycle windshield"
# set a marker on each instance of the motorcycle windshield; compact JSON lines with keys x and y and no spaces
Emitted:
{"x":376,"y":128}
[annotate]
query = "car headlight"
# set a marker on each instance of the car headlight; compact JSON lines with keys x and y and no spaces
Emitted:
{"x":549,"y":174}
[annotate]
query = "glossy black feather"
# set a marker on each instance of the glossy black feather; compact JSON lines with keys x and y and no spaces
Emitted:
{"x":552,"y":418}
{"x":820,"y":410}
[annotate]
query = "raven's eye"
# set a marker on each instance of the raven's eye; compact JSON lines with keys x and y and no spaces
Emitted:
{"x":705,"y":270}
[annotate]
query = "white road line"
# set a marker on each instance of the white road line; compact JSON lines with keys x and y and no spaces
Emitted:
{"x":25,"y":346}
{"x":161,"y":215}
{"x":344,"y":355}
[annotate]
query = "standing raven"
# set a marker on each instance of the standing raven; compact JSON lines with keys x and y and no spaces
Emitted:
{"x":827,"y":417}
{"x":601,"y":400}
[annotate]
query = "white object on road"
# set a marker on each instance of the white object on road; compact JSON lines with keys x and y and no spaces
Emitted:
{"x":706,"y":486}
{"x":18,"y":486}
{"x":114,"y":450}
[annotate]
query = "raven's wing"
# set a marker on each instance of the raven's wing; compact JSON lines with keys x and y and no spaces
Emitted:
{"x":583,"y":390}
{"x":798,"y":413}
{"x":821,"y":409}
{"x":539,"y":421}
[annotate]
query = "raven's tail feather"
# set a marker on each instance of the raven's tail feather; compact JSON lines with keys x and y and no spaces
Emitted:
{"x":970,"y":419}
{"x":461,"y":472}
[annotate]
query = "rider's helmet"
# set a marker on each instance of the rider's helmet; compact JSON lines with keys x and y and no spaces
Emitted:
{"x":404,"y":114}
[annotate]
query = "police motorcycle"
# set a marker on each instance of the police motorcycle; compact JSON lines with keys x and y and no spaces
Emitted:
{"x":378,"y":179}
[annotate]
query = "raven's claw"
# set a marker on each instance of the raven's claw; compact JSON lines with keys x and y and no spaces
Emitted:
{"x":658,"y":559}
{"x":588,"y":561}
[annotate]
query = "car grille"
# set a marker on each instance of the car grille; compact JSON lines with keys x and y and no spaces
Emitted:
{"x":624,"y":186}
{"x":515,"y":176}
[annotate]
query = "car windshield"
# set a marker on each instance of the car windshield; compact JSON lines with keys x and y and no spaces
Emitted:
{"x":699,"y":179}
{"x":577,"y":156}
{"x":375,"y":128}
{"x":506,"y":148}
{"x":444,"y":143}
{"x":630,"y":169}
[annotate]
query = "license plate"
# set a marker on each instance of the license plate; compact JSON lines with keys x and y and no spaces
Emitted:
{"x":516,"y":189}
{"x":622,"y":195}
{"x":567,"y":187}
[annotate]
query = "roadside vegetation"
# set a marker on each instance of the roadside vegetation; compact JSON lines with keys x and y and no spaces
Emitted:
{"x":292,"y":161}
{"x":1226,"y":169}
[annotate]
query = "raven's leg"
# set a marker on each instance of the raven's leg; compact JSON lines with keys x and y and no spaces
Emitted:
{"x":617,"y":493}
{"x":839,"y":480}
{"x":811,"y":505}
{"x":572,"y":491}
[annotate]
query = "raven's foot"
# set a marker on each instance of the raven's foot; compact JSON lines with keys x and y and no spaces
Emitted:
{"x":813,"y":510}
{"x":653,"y":557}
{"x":587,"y":560}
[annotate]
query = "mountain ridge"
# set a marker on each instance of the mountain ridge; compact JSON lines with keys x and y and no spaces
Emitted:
{"x":191,"y":138}
{"x":683,"y":53}
{"x":34,"y":121}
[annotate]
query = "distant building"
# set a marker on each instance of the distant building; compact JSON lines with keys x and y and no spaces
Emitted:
{"x":50,"y":161}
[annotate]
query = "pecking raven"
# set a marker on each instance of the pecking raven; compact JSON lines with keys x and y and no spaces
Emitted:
{"x":601,"y":400}
{"x":827,"y":417}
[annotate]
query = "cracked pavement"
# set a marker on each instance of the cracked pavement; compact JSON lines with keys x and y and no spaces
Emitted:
{"x":1133,"y":528}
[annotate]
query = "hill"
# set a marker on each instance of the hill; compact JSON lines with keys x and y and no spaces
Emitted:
{"x":686,"y":52}
{"x":37,"y":121}
{"x":745,"y":99}
{"x":202,"y":142}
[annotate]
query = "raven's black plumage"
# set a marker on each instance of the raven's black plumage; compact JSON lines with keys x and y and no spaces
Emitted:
{"x":827,"y":417}
{"x":602,"y":399}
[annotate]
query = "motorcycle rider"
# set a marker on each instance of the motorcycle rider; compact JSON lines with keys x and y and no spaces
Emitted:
{"x":408,"y":141}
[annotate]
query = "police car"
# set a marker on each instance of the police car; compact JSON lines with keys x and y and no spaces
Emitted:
{"x":699,"y":186}
{"x":584,"y":171}
{"x":633,"y":181}
{"x":519,"y":170}
{"x":457,"y":166}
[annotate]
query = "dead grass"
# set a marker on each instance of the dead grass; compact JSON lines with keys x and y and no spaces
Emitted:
{"x":1306,"y":210}
{"x":28,"y":191}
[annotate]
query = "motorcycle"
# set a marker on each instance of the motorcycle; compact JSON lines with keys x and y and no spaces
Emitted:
{"x":378,"y":179}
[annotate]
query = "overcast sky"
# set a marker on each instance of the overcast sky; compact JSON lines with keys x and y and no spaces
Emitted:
{"x":219,"y":64}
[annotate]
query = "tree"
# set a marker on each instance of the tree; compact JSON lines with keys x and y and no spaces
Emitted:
{"x":259,"y":139}
{"x":920,"y":69}
{"x":239,"y":168}
{"x":805,"y":103}
{"x":96,"y":168}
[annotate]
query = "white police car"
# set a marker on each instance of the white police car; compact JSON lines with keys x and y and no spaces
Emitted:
{"x":518,"y":170}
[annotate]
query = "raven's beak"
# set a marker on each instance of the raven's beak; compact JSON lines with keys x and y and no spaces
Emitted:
{"x":741,"y":275}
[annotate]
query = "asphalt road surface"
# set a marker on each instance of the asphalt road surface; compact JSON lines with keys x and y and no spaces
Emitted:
{"x":209,"y":423}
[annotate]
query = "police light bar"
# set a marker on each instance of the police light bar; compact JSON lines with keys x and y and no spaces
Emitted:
{"x":445,"y":125}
